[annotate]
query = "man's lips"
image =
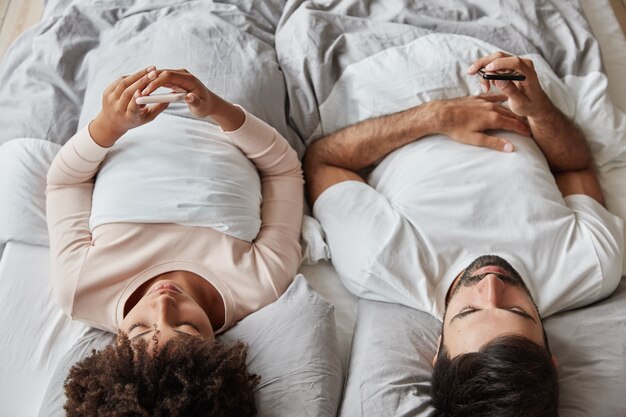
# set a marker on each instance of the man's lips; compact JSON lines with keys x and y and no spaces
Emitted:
{"x":490,"y":269}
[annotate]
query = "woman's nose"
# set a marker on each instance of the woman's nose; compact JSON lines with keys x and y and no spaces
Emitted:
{"x":163,"y":306}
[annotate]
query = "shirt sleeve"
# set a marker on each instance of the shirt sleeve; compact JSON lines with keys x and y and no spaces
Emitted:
{"x":606,"y":234}
{"x":68,"y":207}
{"x":277,"y":246}
{"x":358,"y":222}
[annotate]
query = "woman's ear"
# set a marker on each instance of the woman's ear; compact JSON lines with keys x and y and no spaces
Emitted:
{"x":439,"y":347}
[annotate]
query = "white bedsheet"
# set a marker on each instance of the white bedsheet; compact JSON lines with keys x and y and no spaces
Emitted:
{"x":35,"y":333}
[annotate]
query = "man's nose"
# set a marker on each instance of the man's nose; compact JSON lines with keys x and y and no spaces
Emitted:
{"x":491,"y":289}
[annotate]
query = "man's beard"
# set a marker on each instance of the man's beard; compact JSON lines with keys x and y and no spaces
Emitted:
{"x":511,"y":276}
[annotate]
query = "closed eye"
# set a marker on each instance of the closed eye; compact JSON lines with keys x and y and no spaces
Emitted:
{"x":465,"y":312}
{"x":135,"y":325}
{"x":471,"y":309}
{"x":522,"y":313}
{"x":193,"y":326}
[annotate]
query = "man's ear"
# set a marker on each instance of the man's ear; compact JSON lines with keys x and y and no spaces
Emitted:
{"x":555,"y":362}
{"x":439,"y":347}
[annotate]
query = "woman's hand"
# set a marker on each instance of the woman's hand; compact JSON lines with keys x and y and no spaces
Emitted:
{"x":466,"y":119}
{"x":202,"y":102}
{"x":120,"y":112}
{"x":526,"y":98}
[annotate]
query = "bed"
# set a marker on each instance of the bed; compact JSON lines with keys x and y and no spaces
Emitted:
{"x":63,"y":62}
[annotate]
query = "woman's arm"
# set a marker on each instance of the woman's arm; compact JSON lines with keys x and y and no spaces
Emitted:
{"x":278,"y":241}
{"x":70,"y":178}
{"x":68,"y":207}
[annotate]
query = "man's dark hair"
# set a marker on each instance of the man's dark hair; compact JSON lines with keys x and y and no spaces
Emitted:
{"x":187,"y":376}
{"x":508,"y":377}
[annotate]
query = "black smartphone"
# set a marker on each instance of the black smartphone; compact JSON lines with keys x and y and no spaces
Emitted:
{"x":505,"y":74}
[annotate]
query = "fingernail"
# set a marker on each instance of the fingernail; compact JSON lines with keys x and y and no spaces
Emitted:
{"x":471,"y":69}
{"x":150,"y":68}
{"x":489,"y":67}
{"x":190,"y":98}
{"x":152,"y":75}
{"x":507,"y":147}
{"x":144,"y":92}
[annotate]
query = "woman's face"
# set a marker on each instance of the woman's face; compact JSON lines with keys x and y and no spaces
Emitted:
{"x":164,"y":312}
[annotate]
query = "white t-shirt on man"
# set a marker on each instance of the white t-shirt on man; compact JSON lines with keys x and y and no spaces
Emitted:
{"x":435,"y":205}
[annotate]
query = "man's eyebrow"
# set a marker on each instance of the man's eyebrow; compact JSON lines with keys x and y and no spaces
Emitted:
{"x":519,"y":313}
{"x":523,"y":314}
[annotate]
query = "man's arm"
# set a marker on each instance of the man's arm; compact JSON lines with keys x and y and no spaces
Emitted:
{"x":341,"y":155}
{"x":560,"y":140}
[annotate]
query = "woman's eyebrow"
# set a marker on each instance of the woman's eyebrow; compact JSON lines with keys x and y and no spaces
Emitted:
{"x":141,"y":334}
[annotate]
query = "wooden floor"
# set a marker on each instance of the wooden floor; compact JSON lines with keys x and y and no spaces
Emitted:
{"x":18,"y":15}
{"x":15,"y":17}
{"x":619,"y":6}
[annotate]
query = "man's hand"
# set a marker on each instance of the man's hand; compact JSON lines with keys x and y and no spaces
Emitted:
{"x":120,"y":112}
{"x":466,"y":119}
{"x":526,"y":98}
{"x":560,"y":140}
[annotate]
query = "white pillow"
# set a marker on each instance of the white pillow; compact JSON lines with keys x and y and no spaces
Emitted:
{"x":24,"y":165}
{"x":292,"y":346}
{"x":393,"y":346}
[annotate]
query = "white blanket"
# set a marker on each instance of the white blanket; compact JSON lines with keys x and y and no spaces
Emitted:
{"x":400,"y":77}
{"x":179,"y":170}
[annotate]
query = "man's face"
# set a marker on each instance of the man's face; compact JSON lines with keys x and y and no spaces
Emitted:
{"x":166,"y":311}
{"x":487,"y":301}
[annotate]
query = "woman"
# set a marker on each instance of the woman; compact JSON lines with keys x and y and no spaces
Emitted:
{"x":167,"y":288}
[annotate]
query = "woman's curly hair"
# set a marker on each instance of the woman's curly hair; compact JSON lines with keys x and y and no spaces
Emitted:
{"x":187,"y":376}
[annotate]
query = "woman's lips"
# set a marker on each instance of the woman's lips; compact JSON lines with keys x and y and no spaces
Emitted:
{"x":165,"y":287}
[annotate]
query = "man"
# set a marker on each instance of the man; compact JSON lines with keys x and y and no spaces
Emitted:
{"x":490,"y":242}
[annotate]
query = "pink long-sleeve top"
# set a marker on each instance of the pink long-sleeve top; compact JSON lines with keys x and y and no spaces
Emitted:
{"x":96,"y":271}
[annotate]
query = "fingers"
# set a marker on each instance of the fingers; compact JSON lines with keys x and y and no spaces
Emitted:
{"x":494,"y":98}
{"x":524,"y":66}
{"x":509,"y":123}
{"x":179,"y":79}
{"x":502,"y":61}
{"x":133,"y":107}
{"x":151,"y":112}
{"x":495,"y":116}
{"x":484,"y":61}
{"x":491,"y":142}
{"x":508,"y":113}
{"x":125,"y":82}
{"x":133,"y":91}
